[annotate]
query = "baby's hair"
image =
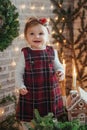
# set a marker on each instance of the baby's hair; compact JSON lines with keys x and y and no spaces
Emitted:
{"x":32,"y":21}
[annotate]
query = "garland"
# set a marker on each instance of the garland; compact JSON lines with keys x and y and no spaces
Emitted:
{"x":10,"y":123}
{"x":9,"y":24}
{"x":8,"y":98}
{"x":48,"y":122}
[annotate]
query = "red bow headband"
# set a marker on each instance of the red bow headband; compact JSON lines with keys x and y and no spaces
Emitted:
{"x":43,"y":21}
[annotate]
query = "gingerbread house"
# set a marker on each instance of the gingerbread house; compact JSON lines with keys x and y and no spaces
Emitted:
{"x":76,"y":104}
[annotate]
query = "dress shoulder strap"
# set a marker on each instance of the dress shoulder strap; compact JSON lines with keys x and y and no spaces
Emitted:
{"x":50,"y":50}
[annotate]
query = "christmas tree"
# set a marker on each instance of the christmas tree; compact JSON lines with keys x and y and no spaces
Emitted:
{"x":70,"y":32}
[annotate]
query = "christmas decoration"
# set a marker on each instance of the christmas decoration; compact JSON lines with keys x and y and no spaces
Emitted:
{"x":76,"y":104}
{"x":48,"y":122}
{"x":10,"y":123}
{"x":71,"y":35}
{"x":8,"y":98}
{"x":9,"y":24}
{"x":43,"y":21}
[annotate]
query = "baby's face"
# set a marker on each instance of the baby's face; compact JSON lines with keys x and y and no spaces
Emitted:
{"x":37,"y":36}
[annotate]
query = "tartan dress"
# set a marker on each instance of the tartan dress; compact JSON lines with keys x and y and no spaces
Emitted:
{"x":42,"y":84}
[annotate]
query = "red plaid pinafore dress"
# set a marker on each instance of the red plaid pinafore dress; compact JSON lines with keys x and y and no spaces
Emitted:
{"x":42,"y":85}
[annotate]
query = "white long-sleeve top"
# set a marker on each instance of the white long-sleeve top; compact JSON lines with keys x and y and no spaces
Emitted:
{"x":21,"y":66}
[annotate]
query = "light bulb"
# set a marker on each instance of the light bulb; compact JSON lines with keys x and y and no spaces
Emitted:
{"x":32,"y":7}
{"x":51,"y":7}
{"x":23,"y":6}
{"x":56,"y":18}
{"x":13,"y":63}
{"x":53,"y":32}
{"x":1,"y":111}
{"x":60,"y":31}
{"x":16,"y":49}
{"x":63,"y":18}
{"x":22,"y":36}
{"x":48,"y":19}
{"x":64,"y":40}
{"x":60,"y":5}
{"x":42,"y":8}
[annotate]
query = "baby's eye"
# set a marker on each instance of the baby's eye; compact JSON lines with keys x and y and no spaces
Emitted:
{"x":41,"y":33}
{"x":32,"y":33}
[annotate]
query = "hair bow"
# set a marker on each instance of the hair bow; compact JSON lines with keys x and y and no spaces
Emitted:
{"x":43,"y":21}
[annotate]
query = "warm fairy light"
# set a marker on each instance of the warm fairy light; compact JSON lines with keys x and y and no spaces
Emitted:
{"x":1,"y":111}
{"x":60,"y":31}
{"x":13,"y":63}
{"x":53,"y":32}
{"x":48,"y":19}
{"x":32,"y":7}
{"x":57,"y":44}
{"x":64,"y":40}
{"x":63,"y":18}
{"x":51,"y":7}
{"x":23,"y":6}
{"x":56,"y":18}
{"x":16,"y":48}
{"x":22,"y":36}
{"x":17,"y":19}
{"x":60,"y":5}
{"x":42,"y":7}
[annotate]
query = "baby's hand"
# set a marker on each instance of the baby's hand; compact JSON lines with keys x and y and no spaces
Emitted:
{"x":23,"y":91}
{"x":60,"y":75}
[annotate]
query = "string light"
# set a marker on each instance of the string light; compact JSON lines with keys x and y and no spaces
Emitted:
{"x":60,"y":5}
{"x":56,"y":18}
{"x":23,"y":6}
{"x":21,"y":36}
{"x":48,"y":19}
{"x":63,"y":19}
{"x":42,"y":7}
{"x":64,"y":40}
{"x":13,"y":63}
{"x":16,"y":48}
{"x":1,"y":111}
{"x":60,"y":31}
{"x":53,"y":32}
{"x":32,"y":7}
{"x":51,"y":6}
{"x":57,"y":45}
